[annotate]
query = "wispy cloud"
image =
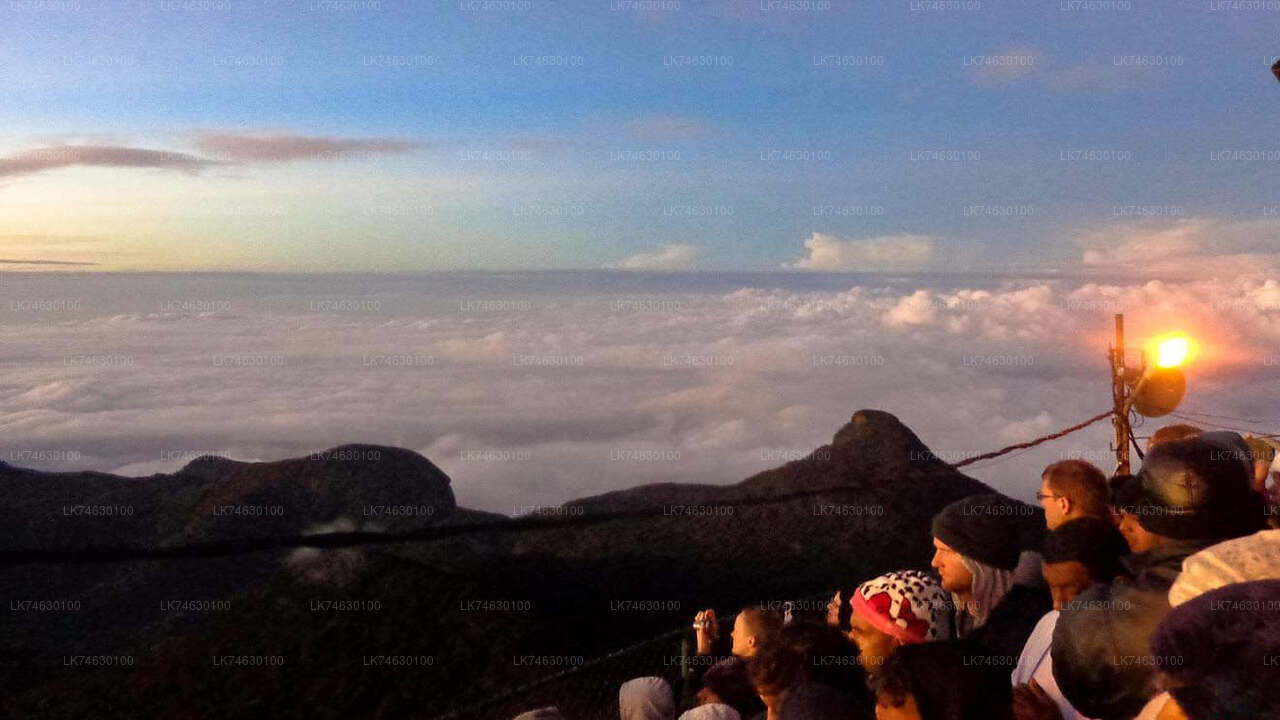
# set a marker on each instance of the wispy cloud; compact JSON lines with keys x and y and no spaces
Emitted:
{"x":669,"y":127}
{"x":1003,"y":66}
{"x":59,"y":156}
{"x":6,"y":261}
{"x":1194,"y":246}
{"x":670,"y":257}
{"x":884,"y":252}
{"x":278,"y":148}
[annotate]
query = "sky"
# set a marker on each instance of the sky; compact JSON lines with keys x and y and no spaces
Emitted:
{"x":819,"y":135}
{"x":565,"y":248}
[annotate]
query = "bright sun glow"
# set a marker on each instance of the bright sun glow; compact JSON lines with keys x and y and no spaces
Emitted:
{"x":1172,"y":352}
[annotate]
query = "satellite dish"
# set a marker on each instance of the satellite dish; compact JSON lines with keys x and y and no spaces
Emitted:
{"x":1161,"y":393}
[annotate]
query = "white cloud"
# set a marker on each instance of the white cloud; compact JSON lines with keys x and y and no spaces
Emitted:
{"x":914,"y":309}
{"x":670,"y":257}
{"x":884,"y":252}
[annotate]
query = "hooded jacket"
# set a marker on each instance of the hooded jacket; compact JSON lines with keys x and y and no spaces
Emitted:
{"x":1101,"y":646}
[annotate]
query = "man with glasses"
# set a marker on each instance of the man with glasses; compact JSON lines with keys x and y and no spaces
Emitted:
{"x":1073,"y":489}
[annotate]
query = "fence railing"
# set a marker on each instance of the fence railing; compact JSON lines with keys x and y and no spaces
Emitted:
{"x":590,"y":690}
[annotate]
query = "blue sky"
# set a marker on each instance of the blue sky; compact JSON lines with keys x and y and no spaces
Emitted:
{"x":692,"y":136}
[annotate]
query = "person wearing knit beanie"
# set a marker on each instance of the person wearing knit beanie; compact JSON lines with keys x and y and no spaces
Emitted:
{"x":988,"y":528}
{"x":979,"y":542}
{"x":897,"y":608}
{"x":1219,"y":653}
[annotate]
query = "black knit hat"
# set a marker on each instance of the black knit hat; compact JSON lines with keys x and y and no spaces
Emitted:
{"x":1198,"y":489}
{"x":992,"y":529}
{"x":1093,"y":542}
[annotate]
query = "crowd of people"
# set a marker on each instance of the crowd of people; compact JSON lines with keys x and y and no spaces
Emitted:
{"x":1153,"y":596}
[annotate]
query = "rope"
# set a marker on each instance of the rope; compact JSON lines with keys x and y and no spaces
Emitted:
{"x":1033,"y":443}
{"x":225,"y":548}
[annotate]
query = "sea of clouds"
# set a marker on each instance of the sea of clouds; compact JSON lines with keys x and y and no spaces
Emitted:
{"x":532,"y":389}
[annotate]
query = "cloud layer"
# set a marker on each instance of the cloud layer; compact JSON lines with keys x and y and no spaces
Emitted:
{"x":533,"y":389}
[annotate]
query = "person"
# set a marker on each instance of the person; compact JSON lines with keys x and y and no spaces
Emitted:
{"x":811,"y":672}
{"x":941,"y":681}
{"x":1126,"y":492}
{"x":646,"y":698}
{"x":1243,"y":559}
{"x":772,"y":672}
{"x":1189,"y":494}
{"x":1247,"y":559}
{"x":1077,"y":554}
{"x":838,"y":609}
{"x":997,"y":589}
{"x":1271,"y":489}
{"x":727,"y":683}
{"x":831,"y":660}
{"x":711,"y":711}
{"x":1172,"y":433}
{"x":753,"y":628}
{"x":1219,"y":653}
{"x":1262,"y":454}
{"x":897,"y":608}
{"x":1071,"y":489}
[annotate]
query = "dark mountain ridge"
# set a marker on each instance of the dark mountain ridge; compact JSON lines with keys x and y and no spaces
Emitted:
{"x":559,"y":590}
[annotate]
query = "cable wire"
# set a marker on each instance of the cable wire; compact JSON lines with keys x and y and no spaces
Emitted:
{"x":224,"y":548}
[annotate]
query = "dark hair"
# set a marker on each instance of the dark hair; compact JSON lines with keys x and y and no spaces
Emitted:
{"x":1081,"y":483}
{"x":730,"y":682}
{"x":1126,"y":492}
{"x":810,"y":652}
{"x":830,"y":658}
{"x":1093,"y":542}
{"x":846,"y":609}
{"x":948,"y":681}
{"x":776,"y":667}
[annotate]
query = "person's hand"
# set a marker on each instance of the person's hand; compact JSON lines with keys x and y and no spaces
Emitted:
{"x":708,"y":630}
{"x":1031,"y":702}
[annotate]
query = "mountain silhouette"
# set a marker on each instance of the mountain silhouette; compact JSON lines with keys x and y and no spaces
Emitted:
{"x":474,"y":603}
